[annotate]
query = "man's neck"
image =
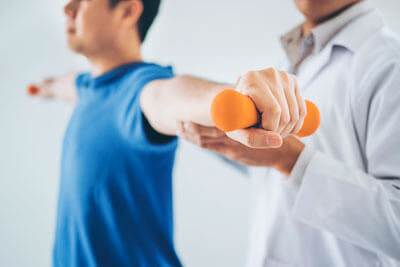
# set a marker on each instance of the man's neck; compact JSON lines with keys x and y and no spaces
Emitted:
{"x":311,"y":23}
{"x":105,"y":63}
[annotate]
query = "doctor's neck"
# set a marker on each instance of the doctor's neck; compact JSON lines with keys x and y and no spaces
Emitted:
{"x":325,"y":12}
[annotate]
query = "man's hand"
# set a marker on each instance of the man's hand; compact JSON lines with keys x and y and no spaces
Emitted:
{"x":62,"y":88}
{"x":282,"y":159}
{"x":278,"y":99}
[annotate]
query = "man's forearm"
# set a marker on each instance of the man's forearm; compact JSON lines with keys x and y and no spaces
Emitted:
{"x":182,"y":98}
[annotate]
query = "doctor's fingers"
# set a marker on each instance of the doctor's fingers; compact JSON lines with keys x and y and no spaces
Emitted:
{"x":252,"y":85}
{"x":198,"y":139}
{"x":289,"y":87}
{"x":202,"y":141}
{"x":301,"y":105}
{"x":256,"y":138}
{"x":201,"y":130}
{"x":265,"y":89}
{"x":280,"y":85}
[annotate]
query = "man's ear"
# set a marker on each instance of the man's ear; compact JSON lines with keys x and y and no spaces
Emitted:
{"x":129,"y":12}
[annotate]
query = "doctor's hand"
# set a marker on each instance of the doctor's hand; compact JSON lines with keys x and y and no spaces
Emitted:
{"x":277,"y":97}
{"x":282,"y":159}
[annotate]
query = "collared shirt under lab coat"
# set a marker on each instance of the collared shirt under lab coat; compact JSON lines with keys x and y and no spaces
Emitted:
{"x":341,"y":205}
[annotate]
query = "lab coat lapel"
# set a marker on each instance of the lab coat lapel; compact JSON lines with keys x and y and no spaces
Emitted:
{"x":364,"y":26}
{"x":314,"y":66}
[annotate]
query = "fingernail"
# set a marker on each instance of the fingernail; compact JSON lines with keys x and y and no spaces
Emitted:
{"x":273,"y":141}
{"x":259,"y":141}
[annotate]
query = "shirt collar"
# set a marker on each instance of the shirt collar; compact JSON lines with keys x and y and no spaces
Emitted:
{"x":364,"y":27}
{"x":292,"y":43}
{"x":110,"y":76}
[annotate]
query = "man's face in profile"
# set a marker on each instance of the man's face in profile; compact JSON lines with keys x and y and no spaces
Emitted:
{"x":90,"y":25}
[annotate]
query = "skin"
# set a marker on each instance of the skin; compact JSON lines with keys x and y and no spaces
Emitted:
{"x":108,"y":38}
{"x":275,"y":94}
{"x":104,"y":35}
{"x":283,"y":158}
{"x":319,"y":11}
{"x":215,"y":140}
{"x":282,"y":111}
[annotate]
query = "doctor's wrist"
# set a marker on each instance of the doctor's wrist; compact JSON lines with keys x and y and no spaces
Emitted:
{"x":289,"y":154}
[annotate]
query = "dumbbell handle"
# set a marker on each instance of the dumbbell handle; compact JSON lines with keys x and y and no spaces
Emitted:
{"x":231,"y":110}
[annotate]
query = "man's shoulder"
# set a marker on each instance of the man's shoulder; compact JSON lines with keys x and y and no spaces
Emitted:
{"x":149,"y":71}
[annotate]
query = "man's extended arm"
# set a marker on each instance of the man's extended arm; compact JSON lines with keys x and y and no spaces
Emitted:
{"x":184,"y":98}
{"x":165,"y":102}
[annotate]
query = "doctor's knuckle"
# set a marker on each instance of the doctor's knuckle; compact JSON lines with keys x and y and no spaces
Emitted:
{"x":274,"y":110}
{"x":302,"y":113}
{"x":294,"y":117}
{"x":249,"y":76}
{"x":285,"y":118}
{"x":293,"y":78}
{"x":285,"y":76}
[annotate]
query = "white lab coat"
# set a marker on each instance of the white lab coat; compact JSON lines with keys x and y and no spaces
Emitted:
{"x":342,"y":207}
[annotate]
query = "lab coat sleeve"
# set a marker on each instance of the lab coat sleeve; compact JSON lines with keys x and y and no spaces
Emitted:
{"x":297,"y":174}
{"x":360,"y":206}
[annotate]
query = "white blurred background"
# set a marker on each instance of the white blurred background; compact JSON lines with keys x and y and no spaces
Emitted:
{"x":215,"y":39}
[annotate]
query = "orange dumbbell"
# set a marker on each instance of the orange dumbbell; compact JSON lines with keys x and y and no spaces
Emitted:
{"x":33,"y":90}
{"x":231,"y":110}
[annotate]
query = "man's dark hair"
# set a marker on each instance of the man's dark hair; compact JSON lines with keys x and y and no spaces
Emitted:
{"x":150,"y":10}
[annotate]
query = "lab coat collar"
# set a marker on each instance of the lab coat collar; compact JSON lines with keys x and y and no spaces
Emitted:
{"x":296,"y":45}
{"x":351,"y":37}
{"x":325,"y":31}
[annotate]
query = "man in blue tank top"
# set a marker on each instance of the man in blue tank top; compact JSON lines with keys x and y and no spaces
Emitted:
{"x":115,"y":197}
